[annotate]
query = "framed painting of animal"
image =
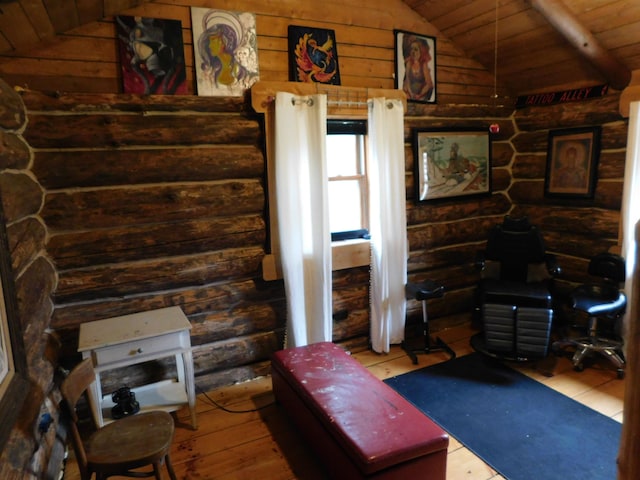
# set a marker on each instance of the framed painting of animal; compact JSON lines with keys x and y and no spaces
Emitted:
{"x":313,"y":55}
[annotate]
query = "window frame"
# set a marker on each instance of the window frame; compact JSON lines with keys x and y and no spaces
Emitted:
{"x":345,"y":103}
{"x":359,"y":129}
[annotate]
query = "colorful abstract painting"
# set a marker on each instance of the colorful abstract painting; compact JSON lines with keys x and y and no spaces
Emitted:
{"x":226,"y":51}
{"x":151,"y":55}
{"x":313,"y":55}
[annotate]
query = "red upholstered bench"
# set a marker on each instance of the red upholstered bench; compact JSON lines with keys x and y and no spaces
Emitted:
{"x":357,"y":425}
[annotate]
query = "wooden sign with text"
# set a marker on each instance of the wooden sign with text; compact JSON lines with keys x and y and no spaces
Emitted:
{"x":551,"y":98}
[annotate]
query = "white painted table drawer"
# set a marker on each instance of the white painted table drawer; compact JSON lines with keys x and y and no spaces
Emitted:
{"x":142,"y":348}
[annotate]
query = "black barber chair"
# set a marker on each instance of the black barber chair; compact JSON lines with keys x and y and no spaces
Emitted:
{"x":514,"y":296}
{"x":604,"y":305}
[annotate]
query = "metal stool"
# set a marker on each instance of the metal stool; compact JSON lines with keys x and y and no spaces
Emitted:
{"x":424,"y":291}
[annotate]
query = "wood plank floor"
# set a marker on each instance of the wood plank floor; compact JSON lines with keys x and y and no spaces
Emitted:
{"x":242,"y":434}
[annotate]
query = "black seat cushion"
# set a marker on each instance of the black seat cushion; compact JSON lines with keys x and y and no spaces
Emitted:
{"x":424,"y":290}
{"x":532,"y":295}
{"x":598,"y":299}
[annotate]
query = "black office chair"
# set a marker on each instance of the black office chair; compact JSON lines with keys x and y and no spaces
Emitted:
{"x":514,"y":296}
{"x":600,"y":300}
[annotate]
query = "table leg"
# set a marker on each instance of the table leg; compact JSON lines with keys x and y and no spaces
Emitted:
{"x":187,"y":358}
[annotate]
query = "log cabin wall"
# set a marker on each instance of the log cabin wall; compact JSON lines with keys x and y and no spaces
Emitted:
{"x":95,"y":236}
{"x":28,"y":449}
{"x":158,"y":201}
{"x":575,"y":229}
{"x":149,"y":202}
{"x":444,"y":236}
{"x":152,"y":202}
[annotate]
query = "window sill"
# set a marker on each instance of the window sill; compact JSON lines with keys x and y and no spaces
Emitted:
{"x":344,"y":254}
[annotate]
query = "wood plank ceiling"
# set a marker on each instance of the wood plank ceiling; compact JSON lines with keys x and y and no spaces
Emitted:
{"x":532,"y":53}
{"x":601,"y":37}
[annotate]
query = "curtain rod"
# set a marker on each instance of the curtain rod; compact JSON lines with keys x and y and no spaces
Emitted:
{"x":263,"y":94}
{"x":330,"y":103}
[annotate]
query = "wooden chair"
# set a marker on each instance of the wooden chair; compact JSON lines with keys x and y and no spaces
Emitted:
{"x":121,"y":446}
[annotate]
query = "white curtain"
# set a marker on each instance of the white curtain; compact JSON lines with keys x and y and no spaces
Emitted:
{"x":303,"y":216}
{"x":631,"y":209}
{"x":388,"y":222}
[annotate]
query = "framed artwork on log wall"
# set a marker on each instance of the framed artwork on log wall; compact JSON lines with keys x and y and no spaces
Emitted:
{"x":415,"y":66}
{"x":225,"y":47}
{"x":151,"y":55}
{"x":572,"y":162}
{"x":313,"y":55}
{"x":13,"y":363}
{"x":451,"y":163}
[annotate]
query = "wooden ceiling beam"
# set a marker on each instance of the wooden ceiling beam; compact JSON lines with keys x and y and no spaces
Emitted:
{"x":567,"y":24}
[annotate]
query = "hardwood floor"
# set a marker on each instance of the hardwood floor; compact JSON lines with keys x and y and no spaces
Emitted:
{"x":244,"y":435}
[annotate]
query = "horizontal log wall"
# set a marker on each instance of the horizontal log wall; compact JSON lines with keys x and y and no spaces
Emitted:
{"x":155,"y":202}
{"x":34,"y":278}
{"x":86,"y":60}
{"x":158,"y":201}
{"x":140,"y":217}
{"x":574,"y":229}
{"x":444,"y":236}
{"x":143,"y":203}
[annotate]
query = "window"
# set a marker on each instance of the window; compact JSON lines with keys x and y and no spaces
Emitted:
{"x":346,"y":254}
{"x":346,"y":167}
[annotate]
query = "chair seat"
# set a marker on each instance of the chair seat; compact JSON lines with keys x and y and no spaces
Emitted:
{"x":533,"y":295}
{"x":605,"y":303}
{"x":598,"y":299}
{"x":424,"y":290}
{"x":132,"y":441}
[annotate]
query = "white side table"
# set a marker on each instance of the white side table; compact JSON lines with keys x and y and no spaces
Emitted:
{"x":118,"y":342}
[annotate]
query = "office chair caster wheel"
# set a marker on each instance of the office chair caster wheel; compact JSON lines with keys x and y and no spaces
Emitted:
{"x":579,"y":367}
{"x":620,"y":373}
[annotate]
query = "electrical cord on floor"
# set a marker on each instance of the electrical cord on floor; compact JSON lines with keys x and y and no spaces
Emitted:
{"x":225,"y":409}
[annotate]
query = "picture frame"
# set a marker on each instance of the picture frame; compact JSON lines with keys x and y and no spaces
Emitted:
{"x":14,"y":384}
{"x":151,"y":53}
{"x":415,"y":66}
{"x":225,"y":49}
{"x":451,"y":163}
{"x":313,"y":55}
{"x":572,"y":162}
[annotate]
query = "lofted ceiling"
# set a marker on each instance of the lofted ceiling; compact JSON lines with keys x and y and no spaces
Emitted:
{"x":542,"y":45}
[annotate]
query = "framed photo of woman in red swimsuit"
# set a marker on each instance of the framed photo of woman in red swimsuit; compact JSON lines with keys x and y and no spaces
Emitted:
{"x":415,"y":61}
